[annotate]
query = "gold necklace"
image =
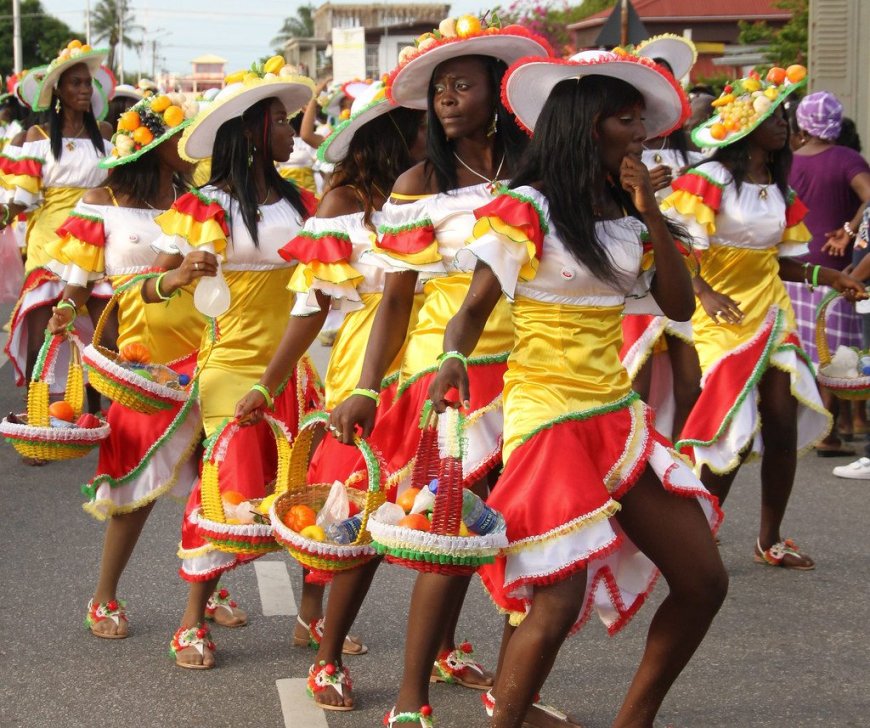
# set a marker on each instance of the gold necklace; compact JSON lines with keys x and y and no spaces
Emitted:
{"x":762,"y":192}
{"x":71,"y":144}
{"x":490,"y":182}
{"x":657,"y":157}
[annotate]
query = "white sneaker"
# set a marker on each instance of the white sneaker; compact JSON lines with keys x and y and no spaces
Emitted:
{"x":859,"y":470}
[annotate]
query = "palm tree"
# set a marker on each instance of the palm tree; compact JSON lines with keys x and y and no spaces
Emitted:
{"x":106,"y":23}
{"x":299,"y":26}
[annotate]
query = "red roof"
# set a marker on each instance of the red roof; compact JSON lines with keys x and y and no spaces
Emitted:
{"x":692,"y":10}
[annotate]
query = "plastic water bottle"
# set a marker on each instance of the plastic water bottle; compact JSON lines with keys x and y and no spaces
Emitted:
{"x":212,"y":295}
{"x":425,"y":500}
{"x":864,"y":364}
{"x":476,"y":515}
{"x":346,"y":531}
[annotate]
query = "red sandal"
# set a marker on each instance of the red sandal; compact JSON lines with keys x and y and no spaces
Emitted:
{"x":458,"y":667}
{"x":329,"y":675}
{"x":784,"y":554}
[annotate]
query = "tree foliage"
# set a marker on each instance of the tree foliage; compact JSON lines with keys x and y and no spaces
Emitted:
{"x":106,"y":26}
{"x":550,"y":18}
{"x":300,"y":25}
{"x":42,"y":35}
{"x":787,"y":45}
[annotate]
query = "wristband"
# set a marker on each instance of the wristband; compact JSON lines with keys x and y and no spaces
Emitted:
{"x":453,"y":355}
{"x":66,"y":303}
{"x":847,"y":226}
{"x":265,"y":392}
{"x":372,"y":394}
{"x":816,"y":277}
{"x":160,"y":293}
{"x":7,"y":215}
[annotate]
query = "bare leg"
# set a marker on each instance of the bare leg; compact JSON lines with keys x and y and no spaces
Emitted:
{"x":36,"y":322}
{"x":673,"y":532}
{"x":832,"y":404}
{"x":642,"y":382}
{"x":122,"y":534}
{"x":686,"y":370}
{"x":194,"y":614}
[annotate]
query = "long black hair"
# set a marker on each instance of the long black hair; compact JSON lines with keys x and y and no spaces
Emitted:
{"x":736,"y":158}
{"x":378,"y":153}
{"x":230,"y":168}
{"x":140,"y":179}
{"x":570,"y":124}
{"x":55,"y":135}
{"x":509,"y":138}
{"x":676,"y":140}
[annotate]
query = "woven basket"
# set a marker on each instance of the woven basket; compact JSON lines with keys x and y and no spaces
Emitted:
{"x":118,"y":383}
{"x":442,"y":549}
{"x":324,"y":558}
{"x":32,"y":436}
{"x":844,"y":388}
{"x":211,"y":520}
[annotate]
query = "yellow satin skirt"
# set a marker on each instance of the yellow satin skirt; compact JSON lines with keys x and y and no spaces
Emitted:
{"x":42,"y":223}
{"x":170,"y":331}
{"x":565,"y":364}
{"x":442,"y":298}
{"x":751,"y":278}
{"x":348,"y":351}
{"x":235,"y":354}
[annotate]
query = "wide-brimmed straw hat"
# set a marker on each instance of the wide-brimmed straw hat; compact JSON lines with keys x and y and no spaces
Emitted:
{"x":368,"y":105}
{"x":28,"y":88}
{"x":72,"y":55}
{"x":126,"y":91}
{"x":243,"y":90}
{"x":745,"y":103}
{"x":160,"y":117}
{"x":528,"y":83}
{"x":679,"y":52}
{"x":408,"y":83}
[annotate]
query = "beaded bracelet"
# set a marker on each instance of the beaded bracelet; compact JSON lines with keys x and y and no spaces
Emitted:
{"x":453,"y":355}
{"x":67,"y":303}
{"x":265,"y":392}
{"x":815,"y":277}
{"x":160,"y":293}
{"x":372,"y":394}
{"x":847,"y":226}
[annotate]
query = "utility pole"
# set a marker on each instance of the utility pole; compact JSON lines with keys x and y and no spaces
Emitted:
{"x":88,"y":22}
{"x":623,"y":24}
{"x":120,"y":5}
{"x":17,"y":60}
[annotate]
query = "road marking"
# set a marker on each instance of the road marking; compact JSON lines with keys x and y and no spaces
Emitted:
{"x":299,"y":710}
{"x":276,"y":592}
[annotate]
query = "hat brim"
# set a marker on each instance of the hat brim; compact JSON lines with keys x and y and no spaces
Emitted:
{"x":335,"y":146}
{"x":355,"y":88}
{"x":679,"y":52}
{"x":99,"y":101}
{"x":28,"y":86}
{"x":409,"y":83}
{"x":701,"y":134}
{"x":528,"y":83}
{"x":110,"y":162}
{"x":125,"y":91}
{"x":92,"y":59}
{"x":198,"y":139}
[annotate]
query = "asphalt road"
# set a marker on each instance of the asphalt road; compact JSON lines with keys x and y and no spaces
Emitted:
{"x":787,"y":650}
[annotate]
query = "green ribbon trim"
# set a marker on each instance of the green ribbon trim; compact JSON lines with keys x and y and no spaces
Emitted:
{"x":472,"y":361}
{"x":407,"y":227}
{"x":519,"y":197}
{"x":324,"y":234}
{"x":704,"y":175}
{"x":432,"y":558}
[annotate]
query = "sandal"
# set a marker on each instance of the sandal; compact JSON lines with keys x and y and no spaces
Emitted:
{"x":784,"y":554}
{"x":114,"y":610}
{"x":422,"y":717}
{"x":220,"y":599}
{"x":352,"y":645}
{"x":329,"y":675}
{"x":458,"y":667}
{"x":549,"y":714}
{"x":197,"y":637}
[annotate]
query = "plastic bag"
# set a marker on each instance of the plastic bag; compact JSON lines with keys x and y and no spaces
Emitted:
{"x":11,"y":265}
{"x":389,"y":513}
{"x":337,"y":507}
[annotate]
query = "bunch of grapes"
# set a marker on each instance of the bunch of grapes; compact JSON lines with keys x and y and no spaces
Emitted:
{"x":152,"y":122}
{"x":738,"y":114}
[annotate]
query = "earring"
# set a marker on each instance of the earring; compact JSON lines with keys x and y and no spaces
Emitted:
{"x":493,"y":126}
{"x":57,"y":105}
{"x":251,"y":151}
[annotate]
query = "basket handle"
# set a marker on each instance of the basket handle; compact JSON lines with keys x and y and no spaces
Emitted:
{"x":821,"y":337}
{"x":43,"y":374}
{"x":212,"y":505}
{"x":113,"y":303}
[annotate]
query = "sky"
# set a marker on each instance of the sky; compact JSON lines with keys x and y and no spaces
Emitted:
{"x":238,"y":30}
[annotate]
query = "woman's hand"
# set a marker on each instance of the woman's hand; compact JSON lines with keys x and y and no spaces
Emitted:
{"x":850,"y":288}
{"x":451,"y":375}
{"x":250,"y":409}
{"x":635,"y":179}
{"x":355,"y":412}
{"x":661,"y":177}
{"x":196,"y":264}
{"x":836,"y":243}
{"x":61,"y":319}
{"x":719,"y":306}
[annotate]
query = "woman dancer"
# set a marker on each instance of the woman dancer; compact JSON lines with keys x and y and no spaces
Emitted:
{"x":759,"y":394}
{"x":565,"y":246}
{"x":472,"y":143}
{"x":243,"y":216}
{"x":109,"y":233}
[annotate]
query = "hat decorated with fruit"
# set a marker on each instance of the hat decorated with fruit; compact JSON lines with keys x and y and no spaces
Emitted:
{"x":148,"y":123}
{"x":746,"y":103}
{"x":75,"y":52}
{"x":369,"y":104}
{"x":31,"y":81}
{"x":678,"y":52}
{"x":467,"y":35}
{"x":242,"y":90}
{"x":527,"y":85}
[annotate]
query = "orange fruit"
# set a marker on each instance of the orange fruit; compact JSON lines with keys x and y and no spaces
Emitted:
{"x":416,"y":522}
{"x":718,"y":131}
{"x":161,"y":103}
{"x":776,"y":75}
{"x":143,"y":136}
{"x":406,"y":499}
{"x":129,"y":121}
{"x":61,"y":411}
{"x":467,"y":25}
{"x":75,"y":43}
{"x":86,"y":48}
{"x":233,"y":497}
{"x":173,"y":116}
{"x":136,"y":352}
{"x":796,"y":73}
{"x":299,"y":517}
